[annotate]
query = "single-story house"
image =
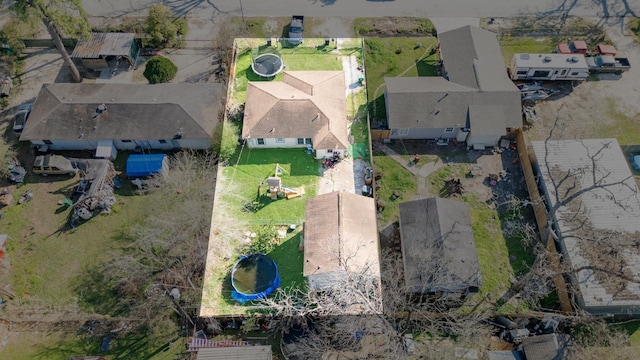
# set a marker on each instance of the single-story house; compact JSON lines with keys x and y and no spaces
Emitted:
{"x":101,"y":49}
{"x":438,"y":249}
{"x":340,"y":236}
{"x":548,"y":67}
{"x":598,"y":229}
{"x":474,"y":101}
{"x":306,"y":109}
{"x":130,"y":116}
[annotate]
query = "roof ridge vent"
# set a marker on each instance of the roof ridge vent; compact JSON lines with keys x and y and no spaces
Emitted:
{"x":547,"y":59}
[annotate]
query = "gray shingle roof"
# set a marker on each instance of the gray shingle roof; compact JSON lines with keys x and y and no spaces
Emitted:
{"x":104,"y":44}
{"x":438,"y":247}
{"x":477,"y":80}
{"x":161,"y":111}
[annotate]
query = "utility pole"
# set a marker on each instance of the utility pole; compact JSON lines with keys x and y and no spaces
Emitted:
{"x":244,"y":25}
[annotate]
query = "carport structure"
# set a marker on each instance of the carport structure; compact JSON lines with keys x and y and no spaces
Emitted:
{"x":100,"y":49}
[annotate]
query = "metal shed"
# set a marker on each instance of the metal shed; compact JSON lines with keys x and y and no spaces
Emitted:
{"x":96,"y":51}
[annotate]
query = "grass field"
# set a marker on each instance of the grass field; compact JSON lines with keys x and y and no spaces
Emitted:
{"x":510,"y":45}
{"x":241,"y":182}
{"x":391,"y":57}
{"x":394,"y":178}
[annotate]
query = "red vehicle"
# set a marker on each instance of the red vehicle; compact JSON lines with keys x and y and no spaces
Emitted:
{"x":573,"y":47}
{"x":604,"y":49}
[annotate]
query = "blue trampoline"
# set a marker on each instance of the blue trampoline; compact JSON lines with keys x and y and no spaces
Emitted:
{"x":254,"y":277}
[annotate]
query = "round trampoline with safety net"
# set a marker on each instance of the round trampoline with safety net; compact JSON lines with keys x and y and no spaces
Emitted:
{"x":254,"y":277}
{"x":267,"y":65}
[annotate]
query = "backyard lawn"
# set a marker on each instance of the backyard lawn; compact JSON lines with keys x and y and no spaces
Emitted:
{"x":394,"y":178}
{"x":239,"y":196}
{"x":396,"y":57}
{"x":510,"y":45}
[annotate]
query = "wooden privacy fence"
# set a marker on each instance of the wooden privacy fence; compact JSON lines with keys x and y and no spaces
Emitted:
{"x":380,"y":134}
{"x":542,"y":220}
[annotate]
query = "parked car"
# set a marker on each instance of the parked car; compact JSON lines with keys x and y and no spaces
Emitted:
{"x":20,"y":118}
{"x":608,"y":64}
{"x":295,"y":29}
{"x":53,"y":165}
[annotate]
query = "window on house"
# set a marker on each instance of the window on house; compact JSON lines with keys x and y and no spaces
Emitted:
{"x":162,"y":141}
{"x":300,"y":141}
{"x":448,"y":130}
{"x":48,"y":142}
{"x":307,"y":141}
{"x":126,"y":141}
{"x":329,"y":151}
{"x":279,"y":140}
{"x":260,"y":141}
{"x":403,"y":132}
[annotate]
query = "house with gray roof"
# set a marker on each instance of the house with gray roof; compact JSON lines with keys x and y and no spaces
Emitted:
{"x":438,"y":248}
{"x":307,"y":109}
{"x":127,"y":116}
{"x":595,"y":210}
{"x":474,"y":100}
{"x":340,"y":237}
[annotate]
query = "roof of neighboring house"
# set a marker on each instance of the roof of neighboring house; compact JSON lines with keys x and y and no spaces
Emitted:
{"x":543,"y":347}
{"x":134,"y":111}
{"x":258,"y":352}
{"x":104,"y":44}
{"x":476,"y":76}
{"x":305,"y":104}
{"x":438,"y":247}
{"x":340,"y":234}
{"x":607,"y":209}
{"x":472,"y":58}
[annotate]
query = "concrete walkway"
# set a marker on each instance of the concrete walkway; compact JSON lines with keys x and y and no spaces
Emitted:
{"x":424,"y":170}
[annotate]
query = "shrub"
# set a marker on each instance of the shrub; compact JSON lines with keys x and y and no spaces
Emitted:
{"x":159,"y":69}
{"x":161,"y":26}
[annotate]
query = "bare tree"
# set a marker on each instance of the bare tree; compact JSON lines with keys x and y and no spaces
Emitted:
{"x":59,"y":17}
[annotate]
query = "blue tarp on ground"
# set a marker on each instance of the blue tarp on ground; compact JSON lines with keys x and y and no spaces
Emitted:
{"x":145,"y":165}
{"x":254,"y":277}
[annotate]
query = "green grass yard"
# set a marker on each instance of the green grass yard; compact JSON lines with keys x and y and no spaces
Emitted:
{"x":394,"y":178}
{"x":510,"y":45}
{"x":240,"y":183}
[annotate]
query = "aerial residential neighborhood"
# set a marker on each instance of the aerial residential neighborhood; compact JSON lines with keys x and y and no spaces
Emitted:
{"x":319,"y":180}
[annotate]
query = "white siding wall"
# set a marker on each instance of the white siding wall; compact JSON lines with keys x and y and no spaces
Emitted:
{"x":273,"y":143}
{"x":486,"y":140}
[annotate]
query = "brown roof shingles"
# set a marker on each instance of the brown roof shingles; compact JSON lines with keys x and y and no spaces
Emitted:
{"x":305,"y":104}
{"x":340,"y":234}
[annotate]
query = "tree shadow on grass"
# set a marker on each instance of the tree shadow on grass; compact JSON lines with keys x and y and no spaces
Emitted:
{"x":96,"y":291}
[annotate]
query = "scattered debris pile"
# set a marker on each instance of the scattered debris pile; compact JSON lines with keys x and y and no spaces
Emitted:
{"x":95,"y":192}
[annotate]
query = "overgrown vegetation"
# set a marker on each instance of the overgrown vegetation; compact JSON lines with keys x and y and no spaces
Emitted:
{"x":225,"y":139}
{"x":159,"y":69}
{"x":165,"y":31}
{"x":393,"y":26}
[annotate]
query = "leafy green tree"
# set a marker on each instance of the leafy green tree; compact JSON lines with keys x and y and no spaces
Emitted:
{"x":162,"y":27}
{"x":159,"y":69}
{"x":60,"y":17}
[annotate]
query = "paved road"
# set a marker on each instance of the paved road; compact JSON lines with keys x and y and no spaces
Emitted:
{"x":208,"y":9}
